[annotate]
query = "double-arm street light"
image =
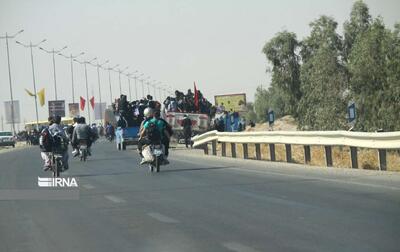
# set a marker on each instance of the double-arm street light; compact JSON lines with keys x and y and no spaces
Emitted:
{"x":119,"y":76}
{"x":136,"y":77}
{"x":142,"y":80}
{"x":71,"y":57}
{"x":53,"y":52}
{"x":129,"y":83}
{"x":6,"y":37}
{"x":98,"y":66}
{"x":30,"y":45}
{"x":154,"y":86}
{"x":109,"y":80}
{"x":87,"y":88}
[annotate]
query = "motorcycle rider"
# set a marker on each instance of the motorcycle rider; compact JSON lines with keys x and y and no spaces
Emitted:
{"x":147,"y":114}
{"x":70,"y":131}
{"x":82,"y":131}
{"x":57,"y":129}
{"x":161,"y":126}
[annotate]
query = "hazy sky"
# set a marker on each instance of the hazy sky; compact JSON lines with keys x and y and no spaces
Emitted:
{"x":215,"y":43}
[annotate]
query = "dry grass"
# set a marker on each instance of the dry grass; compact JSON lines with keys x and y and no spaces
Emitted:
{"x":317,"y":156}
{"x":368,"y":159}
{"x":298,"y":154}
{"x":341,"y":156}
{"x":393,"y":160}
{"x":251,"y":148}
{"x":239,"y":150}
{"x":265,"y":154}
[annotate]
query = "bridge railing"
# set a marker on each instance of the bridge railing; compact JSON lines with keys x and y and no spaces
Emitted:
{"x":381,"y":141}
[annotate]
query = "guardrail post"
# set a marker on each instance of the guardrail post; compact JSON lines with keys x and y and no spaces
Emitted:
{"x":307,"y":154}
{"x":272,"y":151}
{"x":223,"y":147}
{"x":382,"y":159}
{"x":205,"y":148}
{"x":214,"y":147}
{"x":258,"y":151}
{"x":354,"y":159}
{"x":328,"y":156}
{"x":288,"y":148}
{"x":233,"y":150}
{"x":245,"y":151}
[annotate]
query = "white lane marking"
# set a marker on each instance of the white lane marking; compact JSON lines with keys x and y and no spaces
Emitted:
{"x":88,"y":186}
{"x":301,"y":176}
{"x":235,"y":246}
{"x":114,"y":199}
{"x":162,"y":218}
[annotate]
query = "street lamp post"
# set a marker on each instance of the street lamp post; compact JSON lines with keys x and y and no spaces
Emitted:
{"x":54,"y":65}
{"x":154,"y":86}
{"x":119,"y":77}
{"x":71,"y":57}
{"x":109,"y":80}
{"x":86,"y":79}
{"x":9,"y":76}
{"x":33,"y":76}
{"x":159,"y":90}
{"x":142,"y":80}
{"x":129,"y":83}
{"x":136,"y":91}
{"x":98,"y":81}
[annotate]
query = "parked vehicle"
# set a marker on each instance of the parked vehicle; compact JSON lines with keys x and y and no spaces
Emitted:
{"x":126,"y":136}
{"x":7,"y":139}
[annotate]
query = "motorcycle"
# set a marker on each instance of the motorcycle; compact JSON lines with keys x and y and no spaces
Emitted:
{"x":157,"y":151}
{"x":83,"y":150}
{"x":56,"y":163}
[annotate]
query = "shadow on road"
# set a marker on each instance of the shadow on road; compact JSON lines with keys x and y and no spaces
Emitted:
{"x":101,"y":174}
{"x":199,"y":169}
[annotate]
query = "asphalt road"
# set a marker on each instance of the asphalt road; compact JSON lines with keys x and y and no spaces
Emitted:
{"x":196,"y":204}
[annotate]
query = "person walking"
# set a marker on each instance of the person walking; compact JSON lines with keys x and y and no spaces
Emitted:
{"x":187,"y":130}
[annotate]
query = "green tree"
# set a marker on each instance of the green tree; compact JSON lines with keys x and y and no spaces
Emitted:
{"x":374,"y":67}
{"x":323,"y":34}
{"x":360,"y":21}
{"x":323,"y":78}
{"x":266,"y":99}
{"x":281,"y":52}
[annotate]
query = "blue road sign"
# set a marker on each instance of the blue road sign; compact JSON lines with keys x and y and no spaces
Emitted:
{"x":351,"y":111}
{"x":271,"y":117}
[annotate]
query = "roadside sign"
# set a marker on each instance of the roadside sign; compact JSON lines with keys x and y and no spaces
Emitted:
{"x":57,"y":108}
{"x":73,"y":109}
{"x":12,"y":112}
{"x":271,"y":117}
{"x":351,"y":112}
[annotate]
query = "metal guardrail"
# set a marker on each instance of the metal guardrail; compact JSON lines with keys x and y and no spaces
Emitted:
{"x":381,"y":141}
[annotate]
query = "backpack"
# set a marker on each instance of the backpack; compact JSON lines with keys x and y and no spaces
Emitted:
{"x":152,"y":132}
{"x":46,"y":140}
{"x":59,"y":143}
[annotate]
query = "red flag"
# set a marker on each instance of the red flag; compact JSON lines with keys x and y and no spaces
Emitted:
{"x":82,"y":103}
{"x":92,"y":102}
{"x":196,"y":98}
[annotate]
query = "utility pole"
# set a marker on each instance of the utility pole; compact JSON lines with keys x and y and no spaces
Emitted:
{"x":54,"y":66}
{"x":33,"y":75}
{"x":9,"y":77}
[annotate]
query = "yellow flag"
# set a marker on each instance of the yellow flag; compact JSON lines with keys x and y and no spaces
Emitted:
{"x":41,"y":97}
{"x":29,"y":92}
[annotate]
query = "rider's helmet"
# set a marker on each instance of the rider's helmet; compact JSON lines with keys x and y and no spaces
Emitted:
{"x":148,"y":112}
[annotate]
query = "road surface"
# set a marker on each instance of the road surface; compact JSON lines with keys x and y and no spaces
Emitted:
{"x":196,"y":204}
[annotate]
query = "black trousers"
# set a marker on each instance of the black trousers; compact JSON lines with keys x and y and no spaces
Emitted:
{"x":188,"y":137}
